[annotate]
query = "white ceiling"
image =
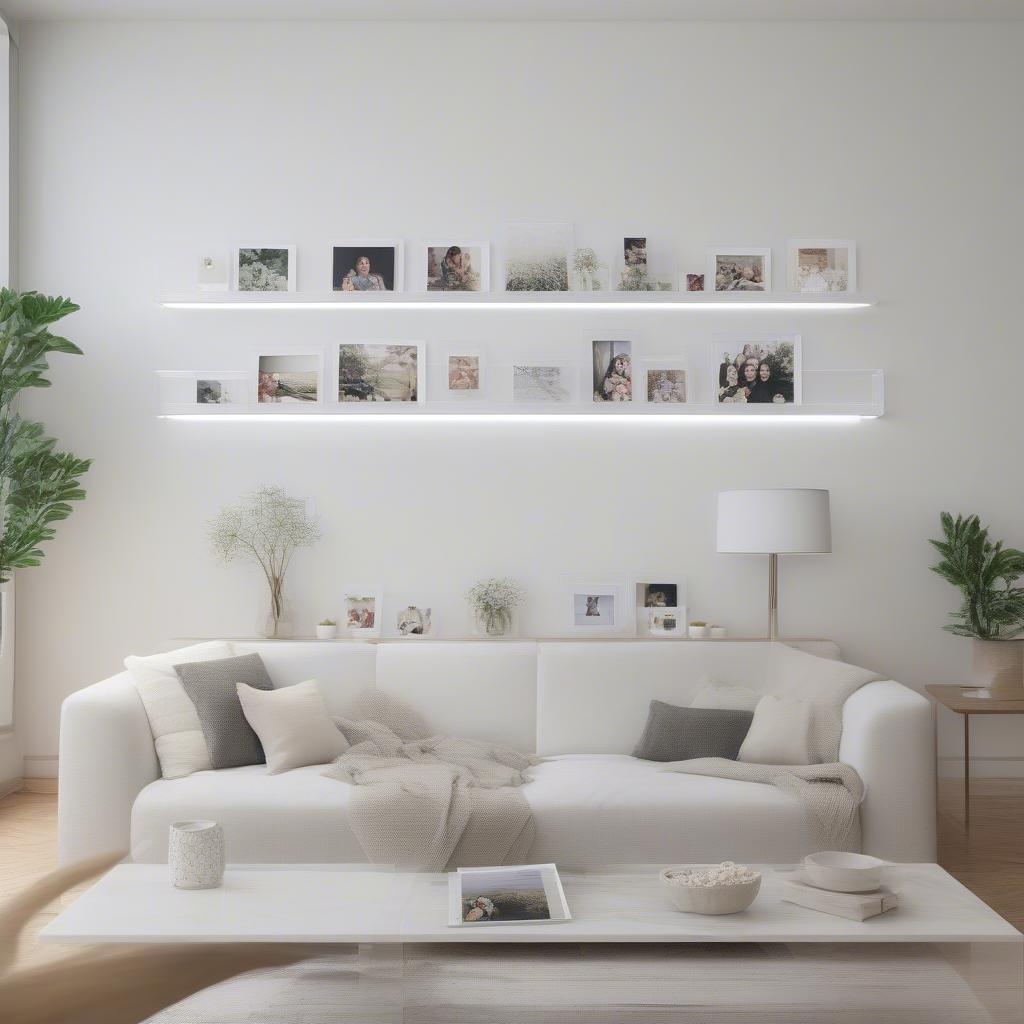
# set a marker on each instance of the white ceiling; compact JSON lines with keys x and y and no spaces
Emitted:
{"x":515,"y":10}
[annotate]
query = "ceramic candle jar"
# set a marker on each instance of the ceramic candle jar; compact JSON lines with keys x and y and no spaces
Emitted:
{"x":195,"y":854}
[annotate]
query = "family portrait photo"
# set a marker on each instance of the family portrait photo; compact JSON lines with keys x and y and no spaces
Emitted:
{"x":822,"y":267}
{"x":666,"y":384}
{"x":537,"y":257}
{"x":464,"y":374}
{"x":758,"y":372}
{"x":288,"y":378}
{"x":265,"y":270}
{"x":457,"y":268}
{"x":378,"y":373}
{"x":613,"y":371}
{"x":367,"y":267}
{"x":744,"y":271}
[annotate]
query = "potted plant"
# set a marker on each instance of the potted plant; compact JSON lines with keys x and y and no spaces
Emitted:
{"x":698,"y":629}
{"x":266,"y":527}
{"x":494,"y":602}
{"x":992,"y":612}
{"x":326,"y":629}
{"x":716,"y":632}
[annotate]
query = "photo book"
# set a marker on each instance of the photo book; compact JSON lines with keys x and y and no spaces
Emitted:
{"x":524,"y":894}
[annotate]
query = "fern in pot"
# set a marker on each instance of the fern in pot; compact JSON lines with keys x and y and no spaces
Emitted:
{"x":992,"y":610}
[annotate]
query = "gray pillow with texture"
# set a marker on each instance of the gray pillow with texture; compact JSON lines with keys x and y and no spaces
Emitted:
{"x":679,"y":734}
{"x":213,"y":687}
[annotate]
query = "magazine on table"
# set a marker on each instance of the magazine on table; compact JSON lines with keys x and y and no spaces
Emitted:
{"x":520,"y":894}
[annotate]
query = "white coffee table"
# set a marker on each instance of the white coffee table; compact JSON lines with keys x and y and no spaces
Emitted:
{"x":359,"y":904}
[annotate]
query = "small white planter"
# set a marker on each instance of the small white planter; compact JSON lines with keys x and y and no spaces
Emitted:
{"x":326,"y":632}
{"x":698,"y":632}
{"x":195,"y":854}
{"x":717,"y":632}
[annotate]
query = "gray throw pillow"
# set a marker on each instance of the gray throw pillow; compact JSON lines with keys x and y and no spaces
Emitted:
{"x":679,"y":734}
{"x":211,"y":686}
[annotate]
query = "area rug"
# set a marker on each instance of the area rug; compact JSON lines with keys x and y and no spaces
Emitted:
{"x":598,"y":984}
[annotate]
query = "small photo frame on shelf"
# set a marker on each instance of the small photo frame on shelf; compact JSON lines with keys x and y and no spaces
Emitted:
{"x":267,"y":269}
{"x":381,"y":372}
{"x":665,"y":381}
{"x":691,"y":283}
{"x":596,"y":607}
{"x":738,"y":268}
{"x":659,"y":603}
{"x":823,"y":266}
{"x":213,"y":272}
{"x":546,"y":383}
{"x":611,"y":369}
{"x":458,"y":267}
{"x":537,"y":257}
{"x":363,"y":609}
{"x":289,"y":378}
{"x":756,"y":369}
{"x":222,"y":390}
{"x":366,"y":265}
{"x":210,"y":392}
{"x":415,"y":620}
{"x":464,"y":373}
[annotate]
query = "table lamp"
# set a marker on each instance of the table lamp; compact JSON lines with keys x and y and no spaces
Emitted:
{"x":773,"y":523}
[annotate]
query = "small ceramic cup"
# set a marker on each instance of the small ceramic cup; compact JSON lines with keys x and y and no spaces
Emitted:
{"x":195,"y":854}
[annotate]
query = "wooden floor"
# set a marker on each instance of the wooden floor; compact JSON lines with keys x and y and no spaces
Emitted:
{"x":990,"y":861}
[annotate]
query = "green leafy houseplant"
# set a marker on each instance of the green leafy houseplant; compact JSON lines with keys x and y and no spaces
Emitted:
{"x":38,"y":482}
{"x":985,"y":573}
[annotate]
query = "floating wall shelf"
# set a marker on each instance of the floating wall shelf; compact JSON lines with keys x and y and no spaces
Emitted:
{"x":657,"y":301}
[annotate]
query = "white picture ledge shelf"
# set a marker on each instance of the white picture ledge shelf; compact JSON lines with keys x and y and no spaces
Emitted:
{"x":655,"y":301}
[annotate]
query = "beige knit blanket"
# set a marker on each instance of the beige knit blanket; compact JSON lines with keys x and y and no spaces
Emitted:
{"x":434,"y":804}
{"x":831,"y":793}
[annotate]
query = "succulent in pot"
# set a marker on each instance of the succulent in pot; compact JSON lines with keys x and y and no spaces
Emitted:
{"x":326,"y":629}
{"x":698,"y":629}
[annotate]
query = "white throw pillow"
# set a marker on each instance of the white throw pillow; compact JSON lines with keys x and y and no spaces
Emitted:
{"x":293,"y":725}
{"x":723,"y":697}
{"x":780,"y":732}
{"x":177,"y":734}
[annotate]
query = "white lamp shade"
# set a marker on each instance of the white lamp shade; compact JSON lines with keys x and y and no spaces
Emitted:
{"x":769,"y":522}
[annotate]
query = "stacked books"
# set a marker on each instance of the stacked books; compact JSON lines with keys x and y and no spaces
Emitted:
{"x":856,"y":906}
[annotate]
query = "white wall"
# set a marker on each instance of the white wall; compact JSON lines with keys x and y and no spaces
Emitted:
{"x":144,"y":144}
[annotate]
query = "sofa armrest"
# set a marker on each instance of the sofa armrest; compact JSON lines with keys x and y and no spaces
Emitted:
{"x":107,"y":757}
{"x":889,"y":737}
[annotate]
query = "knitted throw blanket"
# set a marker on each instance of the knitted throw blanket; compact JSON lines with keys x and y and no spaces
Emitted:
{"x":435,"y":804}
{"x":831,"y":793}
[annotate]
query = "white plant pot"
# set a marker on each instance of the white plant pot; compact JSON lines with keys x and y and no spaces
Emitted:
{"x":717,"y":632}
{"x":998,"y":665}
{"x":195,"y":854}
{"x":698,"y":632}
{"x":326,"y":632}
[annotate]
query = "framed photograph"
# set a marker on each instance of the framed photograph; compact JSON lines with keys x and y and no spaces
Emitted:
{"x":612,"y":370}
{"x":738,"y":268}
{"x":542,"y":384}
{"x":374,"y":372}
{"x":212,"y":274}
{"x":597,"y":608}
{"x":694,"y":283}
{"x":526,"y":894}
{"x":464,"y":373}
{"x":271,"y":269}
{"x":822,"y":266}
{"x":414,"y":620}
{"x":463,"y":267}
{"x":537,"y":257}
{"x":211,"y":392}
{"x":634,"y":252}
{"x":221,"y":390}
{"x":659,"y":601}
{"x":665,"y":383}
{"x":363,"y":608}
{"x":756,"y":369}
{"x":366,"y":265}
{"x":289,"y":378}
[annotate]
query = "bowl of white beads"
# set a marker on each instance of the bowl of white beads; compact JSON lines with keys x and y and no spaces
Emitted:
{"x":725,"y":888}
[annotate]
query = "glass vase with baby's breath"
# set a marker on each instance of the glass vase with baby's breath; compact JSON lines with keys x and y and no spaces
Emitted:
{"x":589,"y":274}
{"x":493,"y":603}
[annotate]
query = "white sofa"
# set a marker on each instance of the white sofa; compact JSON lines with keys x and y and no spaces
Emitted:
{"x":582,"y":705}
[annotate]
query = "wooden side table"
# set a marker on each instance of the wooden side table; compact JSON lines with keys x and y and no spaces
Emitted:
{"x":967,"y":701}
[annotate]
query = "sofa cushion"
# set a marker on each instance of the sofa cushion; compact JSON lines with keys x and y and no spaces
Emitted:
{"x":212,"y":687}
{"x":679,"y":734}
{"x":780,"y":732}
{"x":177,"y":734}
{"x":589,"y":811}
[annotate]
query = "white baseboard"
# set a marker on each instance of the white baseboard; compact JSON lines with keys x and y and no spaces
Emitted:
{"x":39,"y":766}
{"x":9,"y":786}
{"x":982,"y":767}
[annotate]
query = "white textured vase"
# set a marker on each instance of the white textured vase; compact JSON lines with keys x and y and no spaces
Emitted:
{"x":998,"y":665}
{"x":195,"y":854}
